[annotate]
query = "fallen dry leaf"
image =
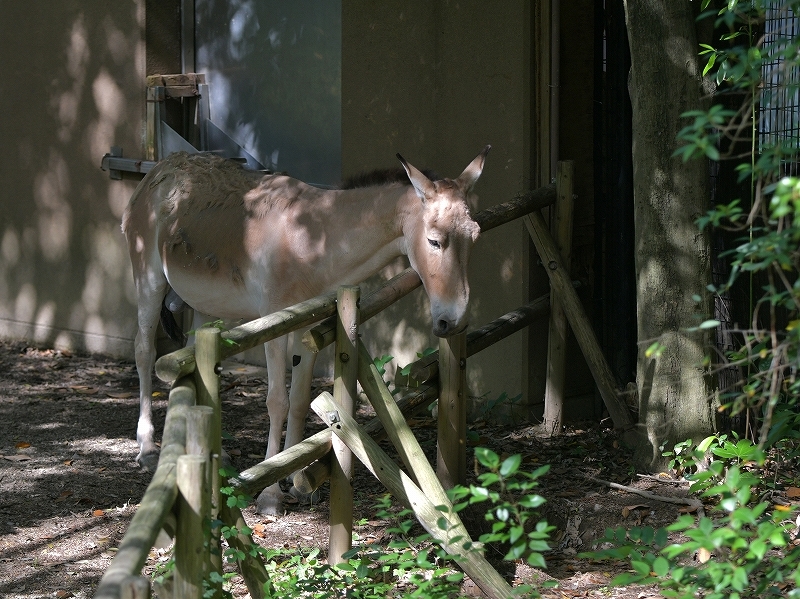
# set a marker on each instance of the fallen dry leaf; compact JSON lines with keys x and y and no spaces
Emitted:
{"x":703,"y":555}
{"x":626,"y":511}
{"x":84,"y":389}
{"x":236,"y":452}
{"x":793,"y":492}
{"x":62,"y":594}
{"x":260,"y":530}
{"x":98,"y":513}
{"x":18,"y":458}
{"x":120,"y":394}
{"x":22,"y":445}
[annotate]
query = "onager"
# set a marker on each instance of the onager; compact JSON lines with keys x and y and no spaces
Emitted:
{"x":238,"y":244}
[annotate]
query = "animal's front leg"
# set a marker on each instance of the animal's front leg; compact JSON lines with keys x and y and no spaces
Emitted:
{"x":270,"y":501}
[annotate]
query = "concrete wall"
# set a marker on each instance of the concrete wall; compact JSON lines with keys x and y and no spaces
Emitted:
{"x":73,"y":85}
{"x":436,"y":81}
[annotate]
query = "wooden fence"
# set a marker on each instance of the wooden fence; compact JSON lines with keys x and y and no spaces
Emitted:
{"x":185,"y":489}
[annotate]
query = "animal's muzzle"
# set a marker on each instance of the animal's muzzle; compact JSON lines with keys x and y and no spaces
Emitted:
{"x":447,"y":328}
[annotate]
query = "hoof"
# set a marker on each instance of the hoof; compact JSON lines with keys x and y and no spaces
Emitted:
{"x":270,"y":501}
{"x":306,"y":498}
{"x":148,"y":460}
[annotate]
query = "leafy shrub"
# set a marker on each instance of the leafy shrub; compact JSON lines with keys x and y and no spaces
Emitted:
{"x":743,"y":551}
{"x":762,"y":71}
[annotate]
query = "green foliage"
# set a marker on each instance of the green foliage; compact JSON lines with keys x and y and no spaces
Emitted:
{"x":742,"y":551}
{"x":406,"y":370}
{"x":380,"y":363}
{"x":487,"y":406}
{"x":410,"y":565}
{"x":163,"y":570}
{"x":510,"y":491}
{"x":766,"y":258}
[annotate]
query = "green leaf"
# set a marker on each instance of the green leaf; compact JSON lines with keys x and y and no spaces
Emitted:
{"x":706,"y":443}
{"x":711,"y":60}
{"x":487,"y":458}
{"x":515,"y":533}
{"x":510,"y":465}
{"x":661,"y":566}
{"x":537,"y":561}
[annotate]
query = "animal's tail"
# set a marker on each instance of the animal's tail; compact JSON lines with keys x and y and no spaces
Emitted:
{"x":171,"y":305}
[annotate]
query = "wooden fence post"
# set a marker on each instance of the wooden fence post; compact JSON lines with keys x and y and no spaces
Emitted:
{"x":135,"y":587}
{"x":208,"y":350}
{"x":451,"y":454}
{"x":193,"y":512}
{"x":344,"y":391}
{"x":557,"y":338}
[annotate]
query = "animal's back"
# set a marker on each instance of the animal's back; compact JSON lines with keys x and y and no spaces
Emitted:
{"x":199,"y":178}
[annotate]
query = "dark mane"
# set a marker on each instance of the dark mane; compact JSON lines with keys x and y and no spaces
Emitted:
{"x":382,"y":177}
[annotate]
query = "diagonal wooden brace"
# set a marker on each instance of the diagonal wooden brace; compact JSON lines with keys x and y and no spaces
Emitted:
{"x":455,"y":539}
{"x":581,"y":326}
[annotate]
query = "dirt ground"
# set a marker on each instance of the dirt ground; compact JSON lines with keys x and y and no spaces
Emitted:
{"x":69,"y":484}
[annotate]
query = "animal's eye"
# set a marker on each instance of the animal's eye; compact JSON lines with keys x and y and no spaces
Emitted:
{"x":435,"y":244}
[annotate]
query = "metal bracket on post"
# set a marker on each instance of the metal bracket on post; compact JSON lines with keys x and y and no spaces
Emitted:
{"x":115,"y":164}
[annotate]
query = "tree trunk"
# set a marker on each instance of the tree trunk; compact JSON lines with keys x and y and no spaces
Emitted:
{"x":676,"y":401}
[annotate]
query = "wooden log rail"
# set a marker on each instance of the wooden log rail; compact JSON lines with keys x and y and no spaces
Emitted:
{"x":157,"y":502}
{"x":578,"y":320}
{"x":179,"y":497}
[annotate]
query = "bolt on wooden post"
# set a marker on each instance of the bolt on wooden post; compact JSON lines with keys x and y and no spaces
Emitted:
{"x":344,"y":394}
{"x":208,"y":352}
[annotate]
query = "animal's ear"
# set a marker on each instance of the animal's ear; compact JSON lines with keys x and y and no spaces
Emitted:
{"x":469,"y":177}
{"x":424,"y":187}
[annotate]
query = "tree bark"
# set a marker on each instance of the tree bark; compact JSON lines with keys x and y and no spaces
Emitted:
{"x":676,"y":401}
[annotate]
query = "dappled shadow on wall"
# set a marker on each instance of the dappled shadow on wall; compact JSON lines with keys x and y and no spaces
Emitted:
{"x":64,"y":273}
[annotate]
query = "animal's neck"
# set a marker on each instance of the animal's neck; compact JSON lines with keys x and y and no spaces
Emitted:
{"x":378,"y":219}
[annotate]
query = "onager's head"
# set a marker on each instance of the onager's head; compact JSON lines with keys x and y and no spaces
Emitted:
{"x":440,"y":244}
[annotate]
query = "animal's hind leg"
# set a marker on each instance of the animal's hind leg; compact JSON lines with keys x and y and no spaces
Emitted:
{"x":300,"y":390}
{"x":299,"y":401}
{"x":150,"y":293}
{"x":270,"y":501}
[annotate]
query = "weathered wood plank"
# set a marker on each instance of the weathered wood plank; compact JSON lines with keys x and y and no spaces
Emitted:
{"x":251,"y":334}
{"x":581,"y":326}
{"x":345,"y":384}
{"x":258,"y":477}
{"x":451,"y":447}
{"x":194,"y":508}
{"x":557,"y":336}
{"x":158,"y":499}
